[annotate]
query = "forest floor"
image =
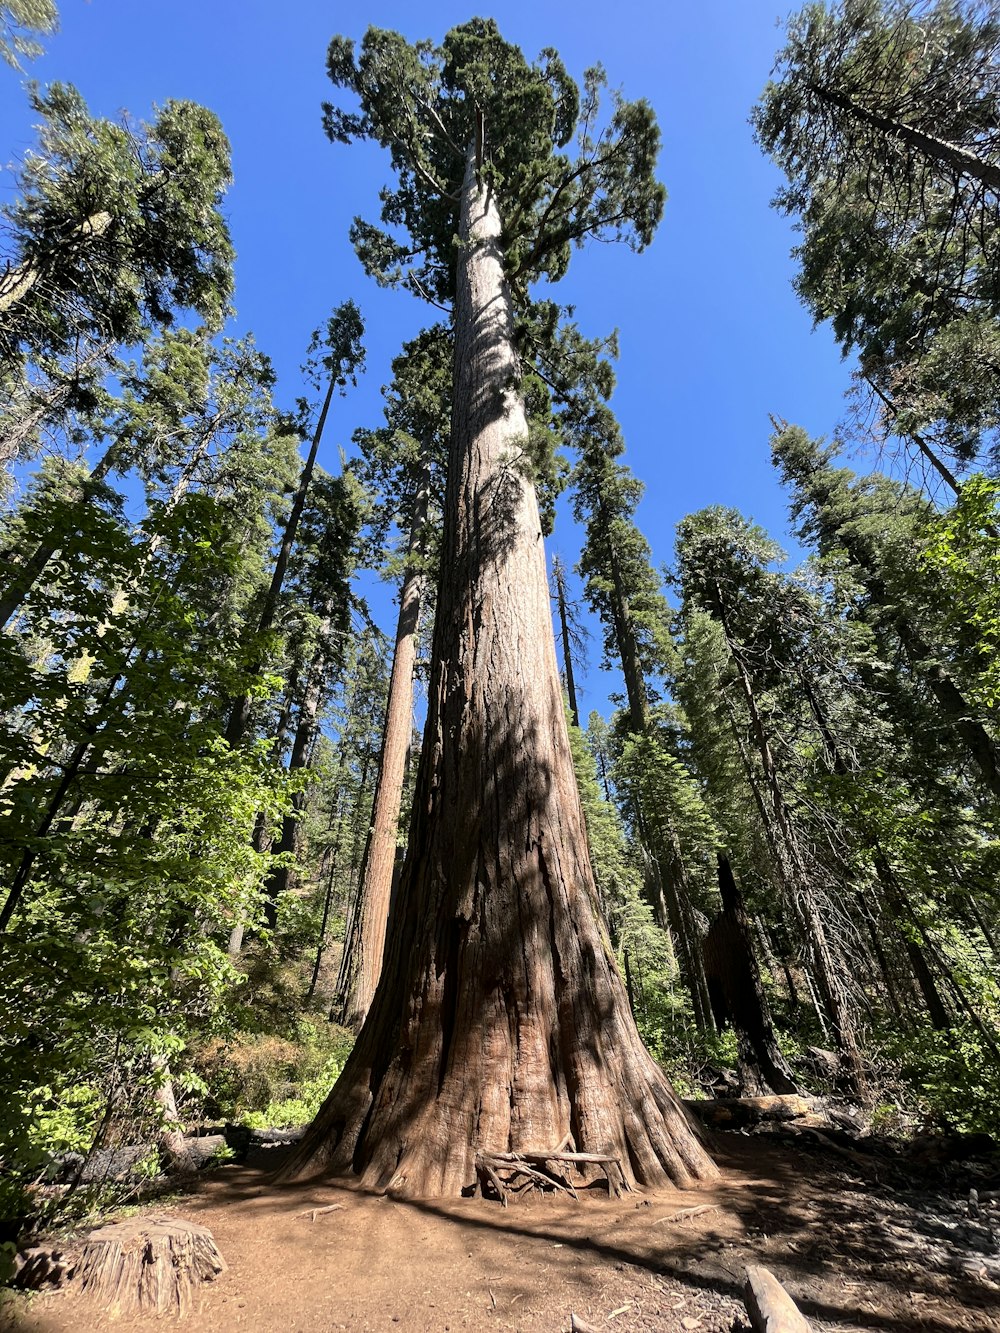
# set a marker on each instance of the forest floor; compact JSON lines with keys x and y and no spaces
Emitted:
{"x":853,"y":1252}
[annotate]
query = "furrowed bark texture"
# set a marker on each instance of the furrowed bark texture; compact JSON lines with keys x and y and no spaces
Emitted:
{"x":501,"y":1023}
{"x":380,"y":849}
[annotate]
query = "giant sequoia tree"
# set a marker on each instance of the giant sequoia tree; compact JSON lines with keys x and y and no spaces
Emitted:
{"x":500,"y":1022}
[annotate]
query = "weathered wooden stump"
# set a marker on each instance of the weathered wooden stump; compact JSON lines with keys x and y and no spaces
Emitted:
{"x":148,"y":1264}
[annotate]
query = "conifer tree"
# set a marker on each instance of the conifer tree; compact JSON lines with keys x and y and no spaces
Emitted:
{"x":877,"y":526}
{"x":116,"y":230}
{"x":501,"y":1021}
{"x":883,"y":116}
{"x":405,"y":461}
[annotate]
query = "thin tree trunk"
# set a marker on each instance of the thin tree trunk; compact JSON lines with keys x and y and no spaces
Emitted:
{"x":27,"y":574}
{"x":559,"y":579}
{"x":894,"y":896}
{"x":938,"y":464}
{"x":352,"y":934}
{"x":501,"y":1022}
{"x":981,"y":746}
{"x":673,"y":880}
{"x":71,"y":771}
{"x":938,"y":150}
{"x":628,"y":650}
{"x":239,"y":717}
{"x":305,"y":731}
{"x":378,"y":863}
{"x":799,"y":892}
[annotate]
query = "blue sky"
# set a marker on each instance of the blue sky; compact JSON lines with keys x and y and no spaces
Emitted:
{"x":712,"y":337}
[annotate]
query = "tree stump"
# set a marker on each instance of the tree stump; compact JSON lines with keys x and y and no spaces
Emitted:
{"x":148,"y":1264}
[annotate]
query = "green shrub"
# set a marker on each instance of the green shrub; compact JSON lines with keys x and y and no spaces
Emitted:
{"x":954,"y":1078}
{"x":253,"y":1075}
{"x":291,"y":1112}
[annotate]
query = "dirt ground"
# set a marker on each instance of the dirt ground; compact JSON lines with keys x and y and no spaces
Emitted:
{"x":854,"y":1255}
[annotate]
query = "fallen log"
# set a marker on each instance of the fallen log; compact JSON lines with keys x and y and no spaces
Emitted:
{"x":259,"y":1136}
{"x":769,"y":1305}
{"x":147,"y":1264}
{"x":578,"y":1326}
{"x":742,"y":1112}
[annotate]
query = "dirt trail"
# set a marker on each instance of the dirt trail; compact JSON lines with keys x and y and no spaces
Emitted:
{"x":669,"y":1261}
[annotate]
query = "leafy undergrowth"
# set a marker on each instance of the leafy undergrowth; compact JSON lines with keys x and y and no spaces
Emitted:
{"x":261,"y":1080}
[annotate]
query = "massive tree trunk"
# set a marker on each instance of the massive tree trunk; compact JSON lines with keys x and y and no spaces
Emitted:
{"x":375,"y":881}
{"x":501,"y":1023}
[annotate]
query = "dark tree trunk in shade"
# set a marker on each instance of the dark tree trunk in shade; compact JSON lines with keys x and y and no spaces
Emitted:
{"x":736,"y":988}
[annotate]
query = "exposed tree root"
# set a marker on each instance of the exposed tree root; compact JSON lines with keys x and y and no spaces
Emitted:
{"x":502,"y":1170}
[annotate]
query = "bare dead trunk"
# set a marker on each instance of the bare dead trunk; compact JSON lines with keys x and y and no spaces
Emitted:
{"x":379,"y":859}
{"x":171,"y":1139}
{"x":501,"y":1023}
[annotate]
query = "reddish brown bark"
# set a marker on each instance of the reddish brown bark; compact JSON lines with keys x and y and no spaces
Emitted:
{"x":379,"y":861}
{"x":501,"y":1022}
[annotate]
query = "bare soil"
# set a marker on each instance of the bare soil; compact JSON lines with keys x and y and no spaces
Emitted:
{"x":853,"y":1254}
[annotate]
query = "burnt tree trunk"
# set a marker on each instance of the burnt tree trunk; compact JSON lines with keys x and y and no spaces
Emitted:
{"x":736,"y":988}
{"x":501,"y":1023}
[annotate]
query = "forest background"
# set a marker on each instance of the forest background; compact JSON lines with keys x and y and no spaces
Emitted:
{"x":160,"y":678}
{"x":713,"y":339}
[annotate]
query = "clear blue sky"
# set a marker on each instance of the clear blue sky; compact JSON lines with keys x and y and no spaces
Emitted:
{"x":712,"y":337}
